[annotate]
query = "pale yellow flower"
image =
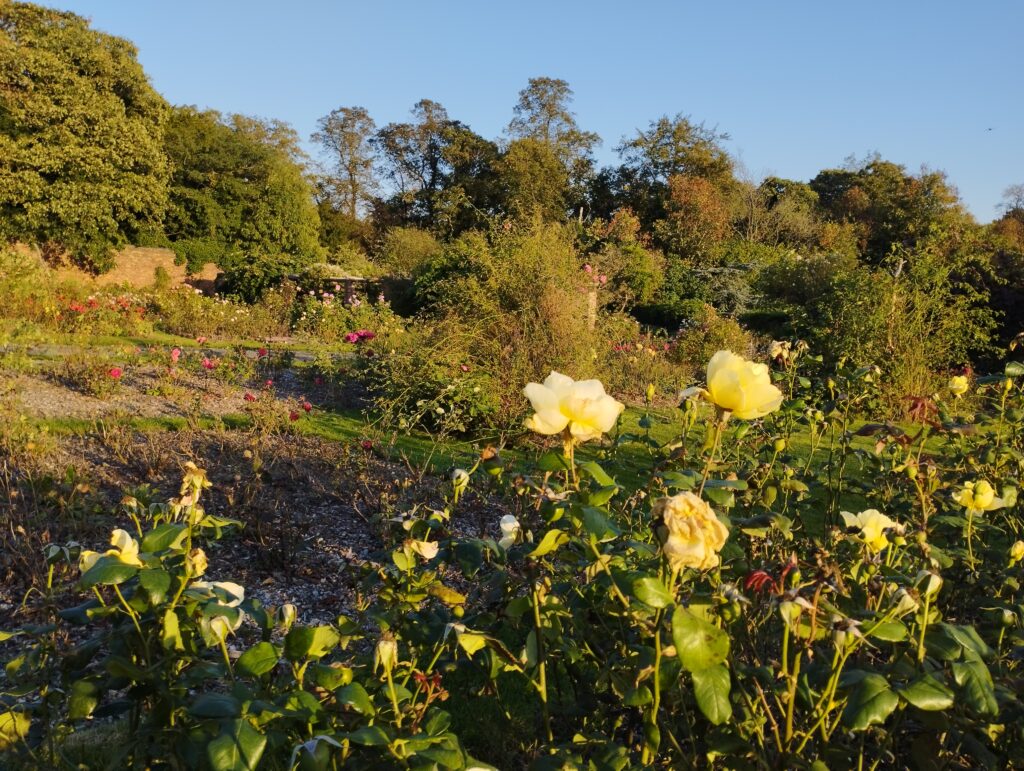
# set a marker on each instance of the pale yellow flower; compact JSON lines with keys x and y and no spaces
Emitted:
{"x":509,"y":530}
{"x":426,"y":549}
{"x":958,"y":385}
{"x":739,"y":387}
{"x":978,"y":496}
{"x":1017,"y":551}
{"x":581,"y":406}
{"x":873,"y":526}
{"x":691,"y":534}
{"x":126,"y":548}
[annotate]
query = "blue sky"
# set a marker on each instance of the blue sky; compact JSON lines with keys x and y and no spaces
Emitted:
{"x":798,"y":85}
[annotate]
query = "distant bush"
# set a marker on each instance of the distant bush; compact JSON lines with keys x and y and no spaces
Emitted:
{"x":404,"y":250}
{"x":197,"y":252}
{"x":250,"y":279}
{"x":702,"y":333}
{"x":183,"y":311}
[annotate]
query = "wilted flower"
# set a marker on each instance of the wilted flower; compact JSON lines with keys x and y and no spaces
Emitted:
{"x":958,"y":385}
{"x":978,"y":496}
{"x":779,"y":350}
{"x":197,"y":562}
{"x":510,"y":528}
{"x":426,"y":549}
{"x":286,"y":615}
{"x":562,"y":403}
{"x":460,"y":481}
{"x":738,"y":387}
{"x":293,"y":416}
{"x":904,"y":602}
{"x":873,"y":526}
{"x":691,"y":534}
{"x":791,"y":610}
{"x":225,"y":592}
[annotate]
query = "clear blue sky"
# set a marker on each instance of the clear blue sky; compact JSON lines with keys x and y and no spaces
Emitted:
{"x":799,"y":85}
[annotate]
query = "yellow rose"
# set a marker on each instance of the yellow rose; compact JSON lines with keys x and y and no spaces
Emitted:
{"x":197,"y":561}
{"x":741,"y":387}
{"x":125,"y":548}
{"x":1016,"y":551}
{"x":87,"y":559}
{"x":978,"y":496}
{"x":581,"y":406}
{"x":958,"y":385}
{"x":691,"y":534}
{"x":873,"y":525}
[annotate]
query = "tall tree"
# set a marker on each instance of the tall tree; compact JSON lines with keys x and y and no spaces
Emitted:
{"x":238,"y":186}
{"x":345,"y":135}
{"x":669,"y":147}
{"x":542,"y":113}
{"x":82,"y":165}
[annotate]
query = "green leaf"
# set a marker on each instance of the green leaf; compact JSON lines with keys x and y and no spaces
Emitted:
{"x":328,"y":677}
{"x":651,"y":591}
{"x":170,"y":636}
{"x":156,"y":582}
{"x":711,"y":687}
{"x":108,"y":571}
{"x":975,"y":682}
{"x":725,"y":484}
{"x":724,"y":498}
{"x":552,"y":540}
{"x":369,"y":736}
{"x":355,"y":696}
{"x":890,"y":631}
{"x":446,"y":594}
{"x":553,"y":462}
{"x":258,"y":660}
{"x":597,"y":473}
{"x":215,"y":706}
{"x":309,"y":642}
{"x":602,"y":495}
{"x":13,"y":728}
{"x":83,"y":699}
{"x":928,"y":694}
{"x":1014,"y":369}
{"x":5,"y":636}
{"x":163,"y":537}
{"x":871,"y":703}
{"x":238,"y":748}
{"x":699,"y":644}
{"x":597,"y":524}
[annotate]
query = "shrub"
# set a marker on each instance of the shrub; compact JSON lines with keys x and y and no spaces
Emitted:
{"x":403,"y":250}
{"x":703,"y":333}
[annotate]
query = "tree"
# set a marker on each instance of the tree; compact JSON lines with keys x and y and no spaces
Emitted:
{"x":82,"y":166}
{"x":670,"y":147}
{"x":535,"y":181}
{"x":238,"y":185}
{"x":441,"y":171}
{"x":345,"y":135}
{"x":542,"y":113}
{"x":891,"y":208}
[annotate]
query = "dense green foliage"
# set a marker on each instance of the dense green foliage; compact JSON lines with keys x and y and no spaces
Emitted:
{"x":81,"y":163}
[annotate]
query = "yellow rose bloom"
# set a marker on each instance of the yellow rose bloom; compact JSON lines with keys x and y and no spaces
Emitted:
{"x":581,"y":406}
{"x":1017,"y":551}
{"x":691,"y":534}
{"x":978,"y":496}
{"x":873,"y":526}
{"x":741,"y":387}
{"x":958,"y":385}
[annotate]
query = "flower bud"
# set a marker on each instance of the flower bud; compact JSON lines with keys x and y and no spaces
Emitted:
{"x":286,"y":616}
{"x":928,"y":583}
{"x":1016,"y":552}
{"x":780,"y":444}
{"x":386,"y":655}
